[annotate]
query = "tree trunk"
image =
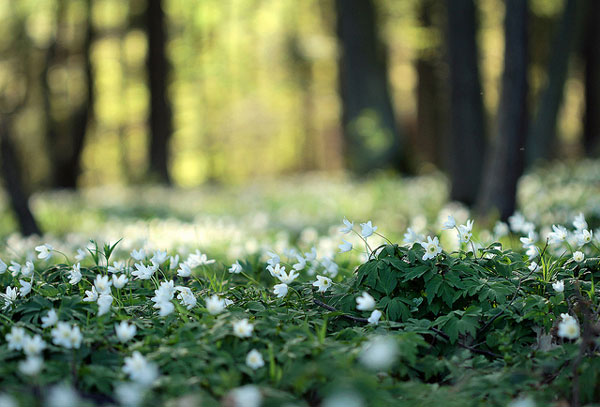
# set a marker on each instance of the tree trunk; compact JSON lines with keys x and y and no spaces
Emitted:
{"x":542,"y":135}
{"x":371,"y":134}
{"x":12,"y":182}
{"x":66,"y":138}
{"x":591,"y":56}
{"x":505,"y":160}
{"x":467,"y":129}
{"x":431,"y":102}
{"x":160,"y":120}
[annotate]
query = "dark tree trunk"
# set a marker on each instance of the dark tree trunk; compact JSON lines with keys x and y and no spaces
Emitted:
{"x":505,"y":160}
{"x":160,"y":120}
{"x":431,"y":104}
{"x":66,"y":139}
{"x":467,"y":128}
{"x":542,"y":135}
{"x":12,"y":182}
{"x":371,"y":134}
{"x":591,"y":56}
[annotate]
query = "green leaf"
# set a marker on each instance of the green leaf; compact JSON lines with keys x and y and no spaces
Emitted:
{"x":397,"y":310}
{"x":388,"y":279}
{"x":416,"y":272}
{"x":432,"y":287}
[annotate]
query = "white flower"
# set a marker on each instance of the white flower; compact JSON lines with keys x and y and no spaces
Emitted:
{"x":91,"y":295}
{"x":14,"y":268}
{"x":2,"y":267}
{"x":165,"y":292}
{"x":330,"y":266}
{"x":465,"y":232}
{"x":578,"y":256}
{"x":117,"y":267}
{"x":300,"y":264}
{"x":104,"y":303}
{"x":432,"y":248}
{"x":25,"y":288}
{"x":579,"y":222}
{"x":9,"y":296}
{"x":254,"y":359}
{"x":529,"y":240}
{"x":245,"y":396}
{"x":140,"y":370}
{"x":273,"y":259}
{"x":280,"y":290}
{"x":450,"y":223}
{"x":532,"y":252}
{"x":119,"y":281}
{"x":62,"y":396}
{"x":322,"y":283}
{"x":276,"y":270}
{"x":559,"y":286}
{"x":173,"y":262}
{"x":214,"y":304}
{"x":27,"y":269}
{"x":75,"y":274}
{"x":66,"y":335}
{"x":80,"y":254}
{"x":138,"y":255}
{"x":568,"y":328}
{"x":365,"y":302}
{"x":184,"y":270}
{"x":584,"y":236}
{"x":534,"y":267}
{"x":198,"y":259}
{"x":522,"y":402}
{"x":516,"y":221}
{"x":31,"y":366}
{"x":33,"y":345}
{"x":50,"y":319}
{"x":15,"y":338}
{"x":374,"y":318}
{"x":367,"y":229}
{"x":164,"y":308}
{"x":558,"y":235}
{"x":159,"y":257}
{"x":287,"y":278}
{"x":143,"y":272}
{"x":102,"y":284}
{"x":500,"y":229}
{"x":411,"y":237}
{"x":348,"y":226}
{"x":130,"y":394}
{"x":345,"y":247}
{"x":125,"y":332}
{"x":379,"y":353}
{"x":45,"y":251}
{"x":235,"y":268}
{"x":186,"y":297}
{"x":312,"y":255}
{"x":242,"y":328}
{"x":7,"y":401}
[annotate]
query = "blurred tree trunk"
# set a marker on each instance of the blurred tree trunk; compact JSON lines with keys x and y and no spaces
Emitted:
{"x":591,"y":57}
{"x":467,"y":129}
{"x":505,"y":158}
{"x":542,"y":134}
{"x":160,"y":120}
{"x":66,"y":137}
{"x":11,"y":173}
{"x":371,"y":134}
{"x":431,"y":118}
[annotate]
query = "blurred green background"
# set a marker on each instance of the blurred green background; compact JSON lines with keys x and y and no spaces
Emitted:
{"x":190,"y":93}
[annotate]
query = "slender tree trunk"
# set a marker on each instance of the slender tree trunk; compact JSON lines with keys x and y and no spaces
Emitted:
{"x":371,"y":134}
{"x":66,"y":138}
{"x":505,"y":160}
{"x":160,"y":120}
{"x":13,"y":184}
{"x":591,"y":56}
{"x":542,"y":137}
{"x":467,"y":128}
{"x":431,"y":120}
